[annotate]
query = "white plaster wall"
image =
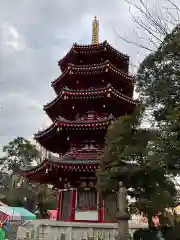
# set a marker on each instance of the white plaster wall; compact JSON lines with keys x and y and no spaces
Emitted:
{"x":86,"y":215}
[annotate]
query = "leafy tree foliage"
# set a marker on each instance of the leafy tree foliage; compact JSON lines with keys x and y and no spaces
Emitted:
{"x":18,"y":191}
{"x":130,"y":156}
{"x":18,"y":153}
{"x":158,"y":82}
{"x":145,"y":159}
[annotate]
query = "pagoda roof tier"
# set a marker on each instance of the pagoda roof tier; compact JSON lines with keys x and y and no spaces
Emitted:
{"x":90,"y":70}
{"x":56,"y":170}
{"x":58,"y":136}
{"x":103,"y":47}
{"x":54,"y":107}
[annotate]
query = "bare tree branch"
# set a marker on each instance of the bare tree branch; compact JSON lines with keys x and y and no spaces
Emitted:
{"x":156,"y":22}
{"x":132,"y":42}
{"x":174,"y":5}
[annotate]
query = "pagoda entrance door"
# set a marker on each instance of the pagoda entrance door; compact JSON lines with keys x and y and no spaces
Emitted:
{"x":86,"y":205}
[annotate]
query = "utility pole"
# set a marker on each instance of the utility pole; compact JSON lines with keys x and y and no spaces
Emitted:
{"x":122,"y":215}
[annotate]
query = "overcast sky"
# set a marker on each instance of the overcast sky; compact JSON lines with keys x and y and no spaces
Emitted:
{"x":34,"y":35}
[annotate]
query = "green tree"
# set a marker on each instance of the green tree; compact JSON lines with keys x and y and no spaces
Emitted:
{"x":158,"y":82}
{"x":158,"y":77}
{"x":19,"y":153}
{"x":130,"y":156}
{"x":17,"y":190}
{"x":46,"y":199}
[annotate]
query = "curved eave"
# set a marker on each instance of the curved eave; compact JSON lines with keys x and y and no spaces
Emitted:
{"x":92,"y":47}
{"x":81,"y":125}
{"x":25,"y":171}
{"x":85,"y":94}
{"x":91,"y":70}
{"x":64,"y":166}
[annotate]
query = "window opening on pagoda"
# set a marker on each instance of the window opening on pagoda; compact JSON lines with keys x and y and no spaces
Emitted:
{"x":83,"y":117}
{"x":86,"y":146}
{"x":86,"y":199}
{"x":91,"y":115}
{"x":91,"y":146}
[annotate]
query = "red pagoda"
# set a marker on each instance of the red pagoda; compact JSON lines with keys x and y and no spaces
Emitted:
{"x":93,"y":90}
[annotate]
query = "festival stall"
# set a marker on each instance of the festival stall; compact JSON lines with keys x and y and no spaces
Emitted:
{"x":15,"y":214}
{"x":9,"y":214}
{"x":24,"y":213}
{"x":52,"y":214}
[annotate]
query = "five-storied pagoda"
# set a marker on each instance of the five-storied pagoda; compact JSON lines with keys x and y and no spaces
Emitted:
{"x":93,"y":90}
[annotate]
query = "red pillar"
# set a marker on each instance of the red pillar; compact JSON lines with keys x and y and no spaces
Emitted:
{"x":59,"y":205}
{"x":100,"y":209}
{"x":73,"y":205}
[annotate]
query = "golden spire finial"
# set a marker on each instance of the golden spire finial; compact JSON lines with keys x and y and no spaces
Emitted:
{"x":95,"y":31}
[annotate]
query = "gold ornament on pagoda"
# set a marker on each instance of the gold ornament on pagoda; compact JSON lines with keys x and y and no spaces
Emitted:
{"x":95,"y":31}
